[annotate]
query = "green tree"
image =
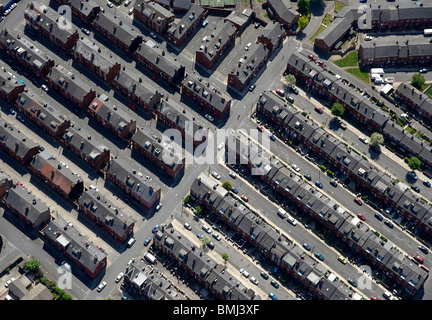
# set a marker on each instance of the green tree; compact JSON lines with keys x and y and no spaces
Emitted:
{"x":376,"y":140}
{"x":303,"y":6}
{"x":303,"y":21}
{"x":225,"y":257}
{"x":186,"y":200}
{"x":198,"y":210}
{"x":418,"y":81}
{"x":290,"y":79}
{"x":227,"y":185}
{"x":337,"y":110}
{"x":205,"y":241}
{"x":414,"y":163}
{"x":32,"y":265}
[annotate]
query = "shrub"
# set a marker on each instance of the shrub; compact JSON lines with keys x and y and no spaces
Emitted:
{"x":406,"y":160}
{"x":186,"y":200}
{"x":323,"y":167}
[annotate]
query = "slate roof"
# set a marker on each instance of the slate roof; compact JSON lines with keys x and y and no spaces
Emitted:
{"x":250,"y":60}
{"x":284,"y":10}
{"x":15,"y":140}
{"x":182,"y":27}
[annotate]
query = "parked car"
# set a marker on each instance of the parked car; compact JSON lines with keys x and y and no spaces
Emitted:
{"x":44,"y":88}
{"x":423,"y":249}
{"x":412,"y":175}
{"x":127,"y":2}
{"x":253,"y":280}
{"x":333,"y":183}
{"x":244,"y":198}
{"x":358,"y":201}
{"x":85,"y":31}
{"x":244,"y":273}
{"x":418,"y":258}
{"x":101,"y":286}
{"x":306,"y":246}
{"x":153,"y":35}
{"x":272,"y":137}
{"x":379,"y":216}
{"x":20,"y":118}
{"x":132,"y":106}
{"x":290,"y":99}
{"x":322,"y":63}
{"x":427,"y":183}
{"x":367,"y":38}
{"x":252,"y":87}
{"x":363,"y":139}
{"x":119,"y":277}
{"x":319,"y":184}
{"x":232,"y":175}
{"x":280,"y":92}
{"x":319,"y":256}
{"x":206,"y":228}
{"x":209,"y":117}
{"x":389,"y":224}
{"x":424,"y":70}
{"x":147,"y":241}
{"x":159,"y":206}
{"x":311,"y":56}
{"x":199,"y":235}
{"x":233,"y":189}
{"x":187,"y":226}
{"x":319,"y":109}
{"x":352,"y":282}
{"x":216,"y":236}
{"x":264,"y":275}
{"x":307,"y":176}
{"x":272,"y":296}
{"x":415,"y":188}
{"x":11,"y":111}
{"x":215,"y":175}
{"x":342,"y":259}
{"x":260,"y":128}
{"x":294,"y":89}
{"x":295,"y":167}
{"x":109,"y":4}
{"x":205,"y":23}
{"x":361,"y":217}
{"x":156,"y":227}
{"x":274,"y":284}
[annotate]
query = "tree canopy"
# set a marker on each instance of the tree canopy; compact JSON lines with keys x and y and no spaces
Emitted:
{"x":337,"y":110}
{"x":376,"y":140}
{"x":414,"y":163}
{"x":418,"y":81}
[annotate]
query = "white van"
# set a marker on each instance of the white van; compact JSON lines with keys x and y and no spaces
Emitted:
{"x":282,"y":213}
{"x":292,"y":221}
{"x":387,"y":295}
{"x":150,"y":258}
{"x":131,"y":242}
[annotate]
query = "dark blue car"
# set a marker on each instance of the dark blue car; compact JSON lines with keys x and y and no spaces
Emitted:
{"x":147,"y":241}
{"x":427,"y":183}
{"x":319,"y":184}
{"x":272,"y":137}
{"x":234,"y":190}
{"x":379,"y":216}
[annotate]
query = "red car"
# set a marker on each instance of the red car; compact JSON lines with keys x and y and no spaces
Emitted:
{"x":320,"y":62}
{"x":244,"y":198}
{"x":155,"y":78}
{"x":132,"y":106}
{"x":319,"y":109}
{"x":418,"y":259}
{"x":280,"y":92}
{"x":361,"y":217}
{"x":312,"y":57}
{"x":374,"y":298}
{"x":260,"y":128}
{"x":358,"y":201}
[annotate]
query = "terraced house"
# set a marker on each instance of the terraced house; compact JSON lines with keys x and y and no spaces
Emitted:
{"x":46,"y":21}
{"x":91,"y":56}
{"x":177,"y":33}
{"x":161,"y":63}
{"x":84,"y":10}
{"x":153,"y":15}
{"x":206,"y":96}
{"x":44,"y":115}
{"x":57,"y":175}
{"x":248,"y":66}
{"x":416,"y":100}
{"x":10,"y":87}
{"x":117,"y":31}
{"x":70,"y":86}
{"x":25,"y":53}
{"x":135,"y":182}
{"x":26,"y":206}
{"x":112,"y":118}
{"x":150,"y":144}
{"x":216,"y":41}
{"x":138,"y":89}
{"x":283,"y":12}
{"x":272,"y":36}
{"x":116,"y":223}
{"x":76,"y":247}
{"x":86,"y":147}
{"x":16,"y":143}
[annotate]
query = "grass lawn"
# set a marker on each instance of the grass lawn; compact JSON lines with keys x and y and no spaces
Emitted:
{"x":424,"y":87}
{"x":410,"y":130}
{"x":326,"y":21}
{"x":362,"y":75}
{"x":266,"y":15}
{"x":320,"y":29}
{"x":429,"y":92}
{"x":338,"y":6}
{"x":350,"y":60}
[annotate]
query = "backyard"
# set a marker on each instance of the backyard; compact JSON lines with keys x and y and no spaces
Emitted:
{"x":350,"y":60}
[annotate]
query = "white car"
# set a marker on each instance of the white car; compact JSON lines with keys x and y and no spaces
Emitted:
{"x":389,"y":80}
{"x":209,"y":117}
{"x":368,"y":38}
{"x":253,"y":280}
{"x":295,"y":167}
{"x":187,"y":226}
{"x":44,"y":88}
{"x":363,"y":139}
{"x":119,"y":277}
{"x":109,"y":4}
{"x":130,"y":11}
{"x":159,"y":206}
{"x":9,"y":282}
{"x":206,"y":228}
{"x":94,"y":188}
{"x":220,"y":146}
{"x":101,"y":286}
{"x":215,"y":175}
{"x":127,"y":2}
{"x":153,"y":35}
{"x":216,"y":236}
{"x":244,"y":273}
{"x":232,"y":175}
